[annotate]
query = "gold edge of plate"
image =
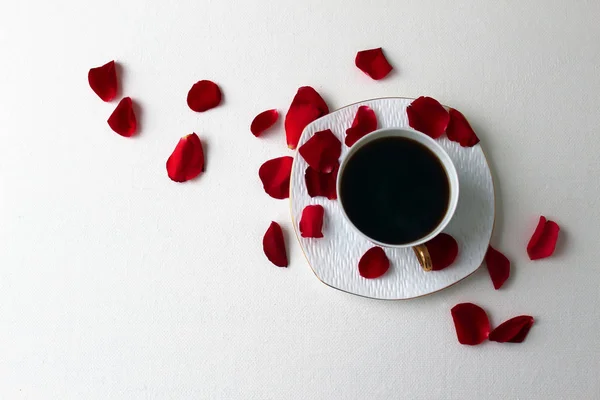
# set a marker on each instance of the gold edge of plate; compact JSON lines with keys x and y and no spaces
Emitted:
{"x":377,"y":298}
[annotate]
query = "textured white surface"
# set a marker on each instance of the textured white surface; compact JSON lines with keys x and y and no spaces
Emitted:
{"x":334,"y":258}
{"x":116,"y":283}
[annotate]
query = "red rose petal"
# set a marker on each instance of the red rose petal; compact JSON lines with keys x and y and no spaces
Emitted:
{"x":322,"y":151}
{"x":122,"y":120}
{"x":187,"y":160}
{"x":364,"y":122}
{"x":443,"y":250}
{"x":543,"y":241}
{"x":306,"y":107}
{"x":263,"y":121}
{"x":203,"y":96}
{"x":274,"y":245}
{"x":514,"y":330}
{"x":373,"y":63}
{"x":459,"y":130}
{"x":498,"y":267}
{"x":373,"y":263}
{"x":320,"y":184}
{"x":103,"y":81}
{"x":308,"y":95}
{"x":471,"y":323}
{"x":297,"y":118}
{"x":311,"y":223}
{"x":275,"y":176}
{"x":427,"y":115}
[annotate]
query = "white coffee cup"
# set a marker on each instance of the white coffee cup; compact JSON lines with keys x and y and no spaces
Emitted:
{"x":418,"y":244}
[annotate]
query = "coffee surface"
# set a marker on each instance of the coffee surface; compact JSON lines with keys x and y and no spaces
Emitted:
{"x":395,"y":190}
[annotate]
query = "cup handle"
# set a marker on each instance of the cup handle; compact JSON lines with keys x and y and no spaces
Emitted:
{"x":423,"y":256}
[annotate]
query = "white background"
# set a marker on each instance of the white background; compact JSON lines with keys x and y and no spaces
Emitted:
{"x":116,"y":283}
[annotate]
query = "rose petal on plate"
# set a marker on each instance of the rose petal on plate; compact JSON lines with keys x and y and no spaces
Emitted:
{"x":263,"y":121}
{"x":373,"y":263}
{"x":311,"y":222}
{"x":364,"y":123}
{"x":274,"y":245}
{"x":498,"y":267}
{"x":187,"y":160}
{"x":275,"y":176}
{"x":427,"y":115}
{"x":373,"y":63}
{"x":471,"y":323}
{"x":514,"y":330}
{"x":321,"y":184}
{"x":122,"y":120}
{"x":103,"y":81}
{"x":543,"y":241}
{"x":443,"y":250}
{"x":459,"y":130}
{"x":203,"y":96}
{"x":306,"y":107}
{"x":322,"y":151}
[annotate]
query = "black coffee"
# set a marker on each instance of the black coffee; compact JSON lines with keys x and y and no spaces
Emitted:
{"x":395,"y":190}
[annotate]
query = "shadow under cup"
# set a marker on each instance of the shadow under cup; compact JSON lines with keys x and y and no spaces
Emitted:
{"x":398,"y":187}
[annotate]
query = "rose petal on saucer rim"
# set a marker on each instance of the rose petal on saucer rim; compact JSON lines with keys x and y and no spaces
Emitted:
{"x":443,"y":250}
{"x":311,"y":222}
{"x":459,"y":130}
{"x":427,"y":115}
{"x":365,"y":122}
{"x":374,"y":263}
{"x":322,"y":151}
{"x":321,"y":184}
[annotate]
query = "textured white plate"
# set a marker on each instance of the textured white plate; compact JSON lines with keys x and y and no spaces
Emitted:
{"x":334,"y":258}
